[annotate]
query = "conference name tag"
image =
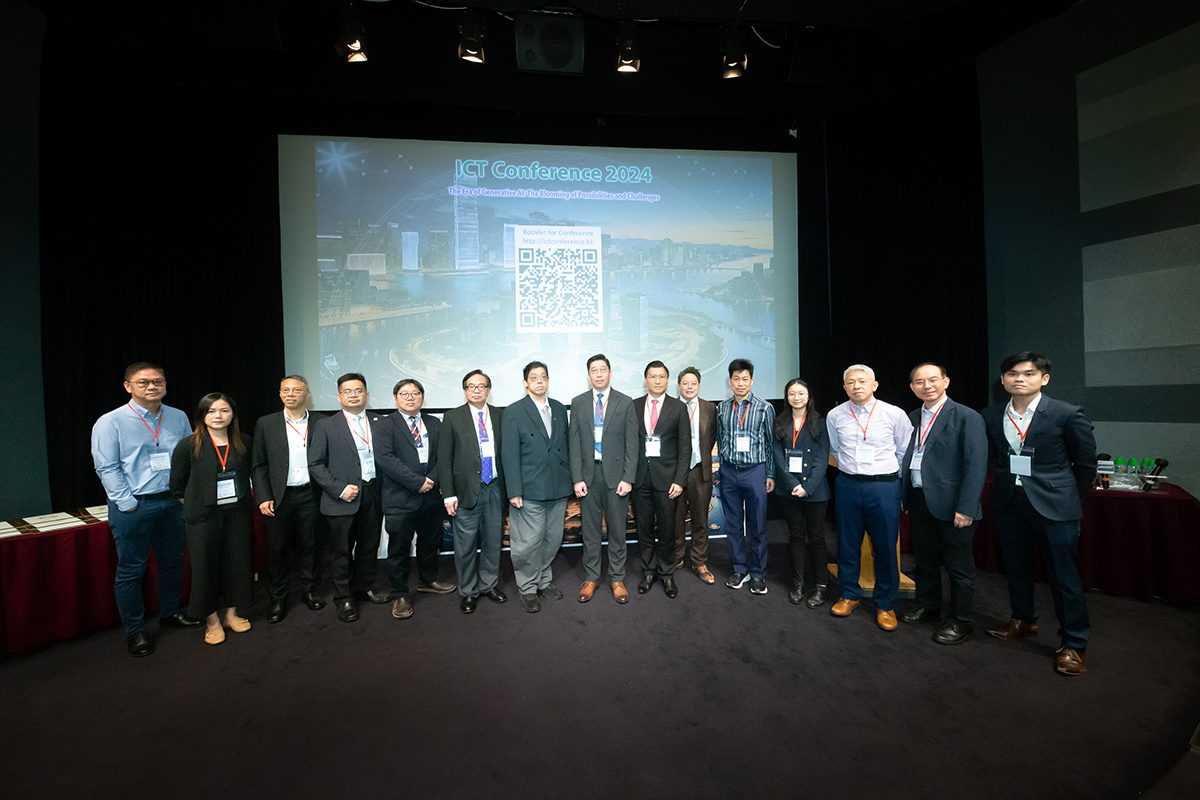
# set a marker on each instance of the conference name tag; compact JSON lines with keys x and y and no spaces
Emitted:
{"x":1020,"y":464}
{"x":916,"y":461}
{"x":864,"y":454}
{"x":226,"y":488}
{"x":599,"y":432}
{"x":423,"y":454}
{"x":653,"y":446}
{"x":487,"y":450}
{"x":795,"y":461}
{"x":368,"y":460}
{"x":741,"y":443}
{"x":160,"y":462}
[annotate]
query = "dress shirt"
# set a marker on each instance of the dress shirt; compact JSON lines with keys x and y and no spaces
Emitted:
{"x":753,"y":417}
{"x":544,"y":413}
{"x":123,"y":440}
{"x":646,"y":411}
{"x":1011,"y":434}
{"x":888,"y":431}
{"x":928,"y":415}
{"x":360,"y":429}
{"x":473,"y":413}
{"x":297,"y":439}
{"x":597,"y":421}
{"x":693,"y":411}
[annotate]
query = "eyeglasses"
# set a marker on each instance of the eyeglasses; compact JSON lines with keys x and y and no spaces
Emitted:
{"x":352,"y":392}
{"x":477,"y":387}
{"x":143,"y":383}
{"x":408,"y":395}
{"x":921,"y":383}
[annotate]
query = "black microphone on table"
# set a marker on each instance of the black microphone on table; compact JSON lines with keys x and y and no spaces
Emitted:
{"x":1159,"y":465}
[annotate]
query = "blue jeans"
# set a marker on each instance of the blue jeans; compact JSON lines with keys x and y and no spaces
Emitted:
{"x":156,"y":522}
{"x":875,"y":506}
{"x":744,"y":499}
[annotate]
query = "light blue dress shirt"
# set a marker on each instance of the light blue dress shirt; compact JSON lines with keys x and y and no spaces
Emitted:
{"x":122,"y":447}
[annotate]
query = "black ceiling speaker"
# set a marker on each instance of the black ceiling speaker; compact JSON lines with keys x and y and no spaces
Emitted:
{"x":549,"y":43}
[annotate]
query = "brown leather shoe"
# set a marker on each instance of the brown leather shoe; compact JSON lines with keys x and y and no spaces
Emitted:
{"x":587,"y":590}
{"x":620,"y":593}
{"x":704,"y":574}
{"x":886,"y":620}
{"x":1014,"y":629}
{"x":843,"y":607}
{"x":402,"y":608}
{"x":1070,"y":662}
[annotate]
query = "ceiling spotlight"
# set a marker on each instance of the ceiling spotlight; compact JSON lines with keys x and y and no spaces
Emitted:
{"x":349,"y":44}
{"x":470,"y":48}
{"x":628,"y":59}
{"x":733,"y":55}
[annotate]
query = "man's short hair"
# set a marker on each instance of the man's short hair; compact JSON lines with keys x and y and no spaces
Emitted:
{"x":913,"y":371}
{"x":138,"y":366}
{"x":598,"y":357}
{"x":472,"y":374}
{"x":858,"y":368}
{"x":1041,"y":363}
{"x":656,"y":365}
{"x":352,"y":376}
{"x":740,"y":364}
{"x":400,"y":384}
{"x":689,"y":371}
{"x":531,"y":366}
{"x":300,"y":378}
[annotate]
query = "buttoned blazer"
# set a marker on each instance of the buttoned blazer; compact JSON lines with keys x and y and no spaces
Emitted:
{"x":333,"y":461}
{"x":619,"y":443}
{"x":194,"y":477}
{"x":675,"y":435}
{"x":536,"y":466}
{"x":397,"y":461}
{"x":816,"y":460}
{"x":1063,"y":463}
{"x":270,"y":459}
{"x":460,"y":467}
{"x":954,"y":466}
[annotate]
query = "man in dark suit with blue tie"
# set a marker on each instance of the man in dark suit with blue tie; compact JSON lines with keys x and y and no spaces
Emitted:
{"x":406,"y":454}
{"x":1043,"y":453}
{"x":943,"y":474}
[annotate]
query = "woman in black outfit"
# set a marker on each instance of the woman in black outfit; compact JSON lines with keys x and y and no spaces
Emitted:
{"x":210,"y":474}
{"x":801,"y":444}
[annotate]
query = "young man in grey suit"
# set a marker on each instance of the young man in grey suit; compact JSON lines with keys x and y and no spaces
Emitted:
{"x":942,"y":477}
{"x":604,"y":452}
{"x":1043,"y":452}
{"x":665,"y":448}
{"x":472,"y":478}
{"x":537,"y":477}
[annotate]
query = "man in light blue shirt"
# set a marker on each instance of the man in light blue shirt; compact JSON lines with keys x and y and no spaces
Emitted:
{"x":131,"y":449}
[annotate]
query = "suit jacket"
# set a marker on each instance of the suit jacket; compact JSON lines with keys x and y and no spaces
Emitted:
{"x":816,"y":461}
{"x":269,"y":461}
{"x":460,"y":466}
{"x":707,"y":427}
{"x":675,"y":435}
{"x":1064,"y":458}
{"x":397,"y":461}
{"x":955,"y":463}
{"x":333,"y":461}
{"x":194,"y":478}
{"x":536,"y":466}
{"x":619,"y":443}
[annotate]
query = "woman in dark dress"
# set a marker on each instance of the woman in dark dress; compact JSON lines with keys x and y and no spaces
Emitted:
{"x":801,"y":444}
{"x":210,"y":474}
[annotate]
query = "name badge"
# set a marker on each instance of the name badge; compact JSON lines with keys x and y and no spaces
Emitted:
{"x":916,"y":461}
{"x":864,"y":454}
{"x":795,"y":461}
{"x":1020,"y":465}
{"x":160,"y":461}
{"x":226,"y":488}
{"x":487,"y":450}
{"x":653,"y":446}
{"x":741,"y":443}
{"x":423,"y":454}
{"x":599,"y":432}
{"x":369,"y":460}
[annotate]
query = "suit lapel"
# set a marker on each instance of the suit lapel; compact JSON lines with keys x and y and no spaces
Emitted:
{"x":939,"y":424}
{"x":531,"y":409}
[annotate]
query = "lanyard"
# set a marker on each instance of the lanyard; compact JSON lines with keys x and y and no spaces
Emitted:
{"x":923,"y":435}
{"x":223,"y":458}
{"x":600,"y":405}
{"x":694,"y":409}
{"x":416,"y":429}
{"x":303,"y":436}
{"x":487,"y":415}
{"x":157,"y":424}
{"x":862,"y":427}
{"x":745,"y":411}
{"x":796,"y":428}
{"x":367,"y":440}
{"x":1020,"y":433}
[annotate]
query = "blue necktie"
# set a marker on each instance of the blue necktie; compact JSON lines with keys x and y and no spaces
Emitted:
{"x":599,"y":418}
{"x":485,"y":473}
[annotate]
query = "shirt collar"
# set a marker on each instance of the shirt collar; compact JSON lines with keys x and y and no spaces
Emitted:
{"x":940,"y":403}
{"x":1033,"y":404}
{"x":359,"y":416}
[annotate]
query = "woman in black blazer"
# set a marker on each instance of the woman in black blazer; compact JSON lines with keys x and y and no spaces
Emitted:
{"x":801,"y":444}
{"x":210,"y":474}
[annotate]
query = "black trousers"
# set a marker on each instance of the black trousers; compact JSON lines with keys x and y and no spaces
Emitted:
{"x":654,"y":512}
{"x":293,"y":529}
{"x":807,"y":551}
{"x":937,"y":543}
{"x":426,"y":523}
{"x":219,"y":552}
{"x":356,"y":537}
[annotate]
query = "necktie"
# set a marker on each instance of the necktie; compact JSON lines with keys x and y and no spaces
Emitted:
{"x":546,"y":417}
{"x":653,"y":415}
{"x":692,"y":412}
{"x":485,"y":473}
{"x":415,"y":427}
{"x":599,"y":418}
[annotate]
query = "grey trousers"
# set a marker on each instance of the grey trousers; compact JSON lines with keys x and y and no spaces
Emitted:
{"x":535,"y":532}
{"x":602,"y":500}
{"x":477,"y":534}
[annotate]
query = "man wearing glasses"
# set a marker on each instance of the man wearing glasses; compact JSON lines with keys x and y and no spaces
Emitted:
{"x":341,"y":460}
{"x":131,"y":449}
{"x":473,"y":490}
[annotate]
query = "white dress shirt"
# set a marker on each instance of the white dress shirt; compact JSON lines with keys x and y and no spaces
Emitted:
{"x":887,"y":432}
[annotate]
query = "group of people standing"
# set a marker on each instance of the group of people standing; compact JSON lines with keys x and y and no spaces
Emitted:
{"x":356,"y":472}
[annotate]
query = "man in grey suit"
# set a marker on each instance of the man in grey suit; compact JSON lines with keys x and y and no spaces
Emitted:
{"x":604,"y":452}
{"x":472,"y":481}
{"x":537,"y":476}
{"x":942,"y":474}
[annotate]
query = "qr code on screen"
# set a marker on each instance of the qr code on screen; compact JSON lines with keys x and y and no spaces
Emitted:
{"x":559,"y":289}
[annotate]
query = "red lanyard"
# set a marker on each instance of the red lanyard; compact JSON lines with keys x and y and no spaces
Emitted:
{"x":862,"y":427}
{"x":366,"y":426}
{"x":925,"y":434}
{"x":1020,"y":433}
{"x":797,"y":428}
{"x":303,"y":436}
{"x":157,"y":423}
{"x":692,"y":415}
{"x":484,"y":416}
{"x":222,"y":457}
{"x":745,"y":411}
{"x":416,"y":429}
{"x":600,"y":409}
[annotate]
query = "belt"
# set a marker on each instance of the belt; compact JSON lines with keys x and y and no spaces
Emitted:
{"x":154,"y":496}
{"x":893,"y":476}
{"x":369,"y":483}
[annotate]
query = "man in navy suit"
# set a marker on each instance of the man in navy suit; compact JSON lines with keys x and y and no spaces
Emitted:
{"x":943,"y":473}
{"x":406,"y":455}
{"x":1043,"y":453}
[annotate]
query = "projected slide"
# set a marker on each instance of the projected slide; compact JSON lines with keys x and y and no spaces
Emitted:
{"x":429,"y":259}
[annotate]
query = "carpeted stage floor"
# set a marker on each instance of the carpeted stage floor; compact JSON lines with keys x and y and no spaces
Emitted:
{"x":718,"y":693}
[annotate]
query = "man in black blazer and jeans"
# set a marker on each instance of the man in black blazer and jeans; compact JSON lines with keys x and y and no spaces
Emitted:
{"x":1044,"y":456}
{"x":943,"y":474}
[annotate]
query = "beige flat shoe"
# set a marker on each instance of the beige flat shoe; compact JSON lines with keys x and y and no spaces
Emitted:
{"x":238,"y":625}
{"x":214,"y":635}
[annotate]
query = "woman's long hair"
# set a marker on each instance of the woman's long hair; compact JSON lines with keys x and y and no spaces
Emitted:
{"x":200,"y":430}
{"x":783,"y":422}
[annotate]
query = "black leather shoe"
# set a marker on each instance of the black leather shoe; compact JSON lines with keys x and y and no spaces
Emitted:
{"x":372,"y":596}
{"x":668,"y":582}
{"x":647,"y":581}
{"x":278,"y":611}
{"x":347,"y":610}
{"x":178,"y":621}
{"x":817,"y":598}
{"x":467,"y":604}
{"x":954,"y":632}
{"x":796,"y":595}
{"x":918,"y":614}
{"x":495,"y":595}
{"x":139,"y":644}
{"x":530,"y":603}
{"x":313,"y":601}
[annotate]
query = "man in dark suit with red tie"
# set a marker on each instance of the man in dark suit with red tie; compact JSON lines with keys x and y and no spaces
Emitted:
{"x":406,"y":454}
{"x":1043,"y":454}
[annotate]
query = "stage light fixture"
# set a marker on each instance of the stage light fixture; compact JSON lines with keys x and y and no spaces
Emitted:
{"x":470,"y":48}
{"x":349,"y":44}
{"x":628,"y":58}
{"x":733,"y":55}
